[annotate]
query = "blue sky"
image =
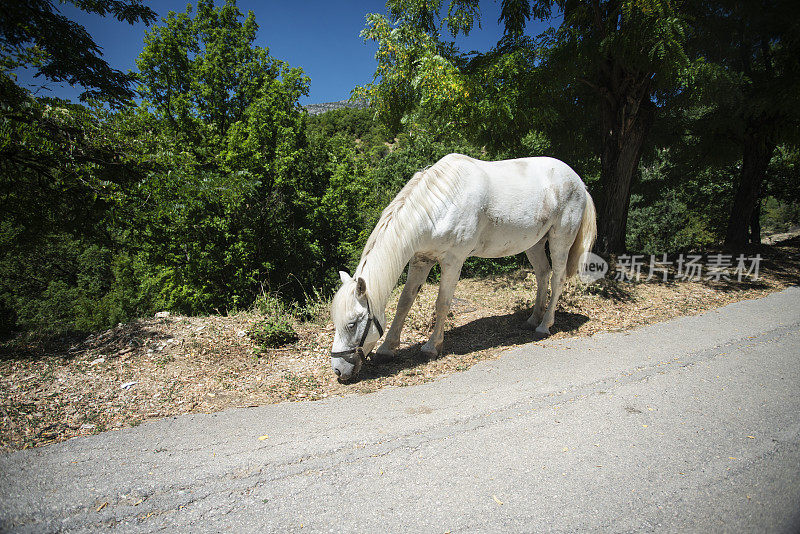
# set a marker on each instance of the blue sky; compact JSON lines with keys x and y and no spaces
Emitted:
{"x":320,"y":36}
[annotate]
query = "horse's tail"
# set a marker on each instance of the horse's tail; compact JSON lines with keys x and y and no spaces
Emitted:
{"x":584,"y":239}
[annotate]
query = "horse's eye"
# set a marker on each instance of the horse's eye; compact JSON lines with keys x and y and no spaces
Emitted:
{"x":351,"y":326}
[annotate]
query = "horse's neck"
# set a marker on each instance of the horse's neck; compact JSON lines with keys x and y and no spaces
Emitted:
{"x":403,"y":225}
{"x":382,"y":267}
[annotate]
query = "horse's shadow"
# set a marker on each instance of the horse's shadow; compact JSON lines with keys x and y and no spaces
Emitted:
{"x":475,"y":336}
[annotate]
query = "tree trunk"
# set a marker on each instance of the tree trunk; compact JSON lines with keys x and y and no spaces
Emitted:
{"x":755,"y":223}
{"x":755,"y":159}
{"x":624,"y":130}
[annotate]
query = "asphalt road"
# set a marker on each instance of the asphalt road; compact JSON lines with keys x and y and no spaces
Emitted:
{"x":692,"y":425}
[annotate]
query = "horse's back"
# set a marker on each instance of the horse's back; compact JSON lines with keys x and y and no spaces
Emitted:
{"x":517,"y":188}
{"x":527,"y":177}
{"x":504,"y":207}
{"x":532,"y":174}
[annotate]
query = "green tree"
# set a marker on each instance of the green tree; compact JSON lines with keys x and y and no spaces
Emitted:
{"x":631,"y":55}
{"x":60,"y":170}
{"x":225,"y":216}
{"x":50,"y":148}
{"x":748,"y":94}
{"x":613,"y":60}
{"x":418,"y":83}
{"x":33,"y":34}
{"x":247,"y":198}
{"x":201,"y":73}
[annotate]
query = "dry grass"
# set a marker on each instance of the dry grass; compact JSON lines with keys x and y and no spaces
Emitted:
{"x":52,"y":392}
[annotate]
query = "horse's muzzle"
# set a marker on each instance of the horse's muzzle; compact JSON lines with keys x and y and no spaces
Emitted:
{"x":348,"y":363}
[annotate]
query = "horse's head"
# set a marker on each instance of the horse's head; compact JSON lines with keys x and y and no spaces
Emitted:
{"x":357,"y":328}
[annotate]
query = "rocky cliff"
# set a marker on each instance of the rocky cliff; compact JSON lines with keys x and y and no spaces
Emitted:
{"x":316,"y":109}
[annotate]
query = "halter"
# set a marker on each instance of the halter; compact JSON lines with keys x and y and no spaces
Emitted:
{"x":346,"y":354}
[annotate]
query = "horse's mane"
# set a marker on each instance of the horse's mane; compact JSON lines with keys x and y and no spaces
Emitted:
{"x":415,"y":208}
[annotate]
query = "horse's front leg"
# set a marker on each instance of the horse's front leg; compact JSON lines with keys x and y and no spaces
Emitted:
{"x":451,"y":270}
{"x":418,"y":270}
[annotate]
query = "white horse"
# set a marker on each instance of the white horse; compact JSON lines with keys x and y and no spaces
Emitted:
{"x":457,"y":208}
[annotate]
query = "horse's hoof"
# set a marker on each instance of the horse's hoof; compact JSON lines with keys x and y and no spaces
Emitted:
{"x":429,"y":353}
{"x":383,"y":356}
{"x":544,"y":332}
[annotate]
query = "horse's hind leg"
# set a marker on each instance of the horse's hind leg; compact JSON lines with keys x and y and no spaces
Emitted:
{"x":541,"y":268}
{"x":418,"y":270}
{"x":559,"y":251}
{"x":451,"y":270}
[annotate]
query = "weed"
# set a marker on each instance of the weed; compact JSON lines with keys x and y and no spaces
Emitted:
{"x":314,"y":309}
{"x":300,"y":384}
{"x":271,"y":332}
{"x":275,"y":329}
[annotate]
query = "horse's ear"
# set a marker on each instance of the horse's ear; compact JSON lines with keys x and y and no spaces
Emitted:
{"x":361,"y":287}
{"x":344,"y":276}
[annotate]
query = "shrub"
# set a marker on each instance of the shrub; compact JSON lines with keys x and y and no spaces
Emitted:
{"x":777,"y":216}
{"x":274,"y":331}
{"x":665,"y":225}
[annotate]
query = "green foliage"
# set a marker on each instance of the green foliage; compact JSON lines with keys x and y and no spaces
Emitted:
{"x":61,"y":173}
{"x":746,"y":94}
{"x":272,"y":332}
{"x":783,"y":176}
{"x":778,"y":217}
{"x":478,"y":267}
{"x":749,"y":74}
{"x":780,"y":211}
{"x":666,"y":225}
{"x":515,"y":14}
{"x":275,"y":329}
{"x":212,"y":189}
{"x":353,"y":125}
{"x":675,"y":208}
{"x":224,"y":213}
{"x":66,"y":284}
{"x":217,"y":192}
{"x":35,"y":35}
{"x":417,"y":75}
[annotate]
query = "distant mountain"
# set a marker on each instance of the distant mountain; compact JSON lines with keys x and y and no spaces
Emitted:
{"x":316,"y":109}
